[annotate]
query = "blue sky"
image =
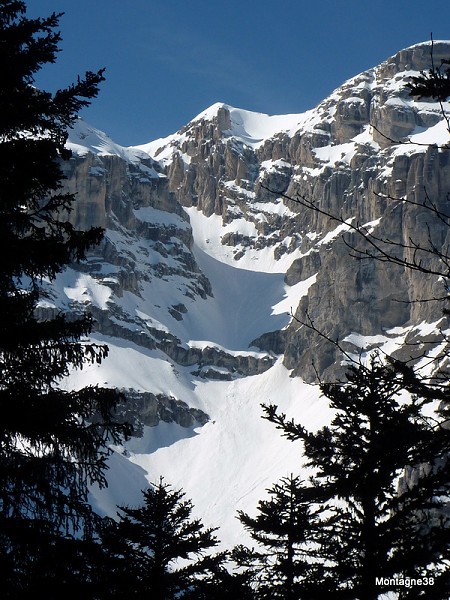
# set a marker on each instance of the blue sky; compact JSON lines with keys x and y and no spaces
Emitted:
{"x":167,"y":60}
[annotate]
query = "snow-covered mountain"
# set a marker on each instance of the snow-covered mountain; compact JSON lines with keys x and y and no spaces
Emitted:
{"x":202,"y":266}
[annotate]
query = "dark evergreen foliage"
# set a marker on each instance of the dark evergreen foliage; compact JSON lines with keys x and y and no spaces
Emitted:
{"x":51,"y":448}
{"x":371,"y":526}
{"x":158,"y":550}
{"x":434,"y":83}
{"x":285,"y":528}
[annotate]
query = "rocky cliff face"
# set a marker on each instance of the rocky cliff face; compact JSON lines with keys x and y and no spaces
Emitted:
{"x":344,"y":157}
{"x":230,"y":171}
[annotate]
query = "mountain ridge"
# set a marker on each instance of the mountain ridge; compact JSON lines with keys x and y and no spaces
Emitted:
{"x":207,"y":269}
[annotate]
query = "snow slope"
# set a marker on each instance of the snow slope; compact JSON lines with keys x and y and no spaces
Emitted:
{"x":228,"y":463}
{"x":223,"y":466}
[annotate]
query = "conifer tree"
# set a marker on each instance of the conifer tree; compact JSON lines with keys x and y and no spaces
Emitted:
{"x":434,"y":83}
{"x":372,"y":527}
{"x":147,"y":544}
{"x":51,"y":448}
{"x":284,"y":529}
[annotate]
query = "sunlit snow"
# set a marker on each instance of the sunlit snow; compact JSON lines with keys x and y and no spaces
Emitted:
{"x":226,"y":464}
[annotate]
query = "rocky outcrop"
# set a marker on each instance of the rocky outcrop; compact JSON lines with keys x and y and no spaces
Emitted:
{"x":208,"y":362}
{"x":108,"y":188}
{"x":143,"y":409}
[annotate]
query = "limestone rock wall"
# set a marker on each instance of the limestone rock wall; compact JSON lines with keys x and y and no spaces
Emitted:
{"x":351,"y":157}
{"x":371,"y":186}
